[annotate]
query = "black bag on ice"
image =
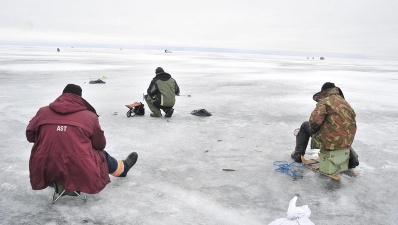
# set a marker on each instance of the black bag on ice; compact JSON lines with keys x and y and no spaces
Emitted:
{"x":136,"y":110}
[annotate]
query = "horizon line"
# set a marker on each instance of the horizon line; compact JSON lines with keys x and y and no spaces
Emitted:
{"x":307,"y":54}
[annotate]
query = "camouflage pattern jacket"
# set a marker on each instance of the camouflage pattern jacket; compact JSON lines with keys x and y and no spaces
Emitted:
{"x":332,"y":123}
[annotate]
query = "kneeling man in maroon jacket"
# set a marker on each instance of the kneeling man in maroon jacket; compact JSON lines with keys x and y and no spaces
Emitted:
{"x":69,"y":146}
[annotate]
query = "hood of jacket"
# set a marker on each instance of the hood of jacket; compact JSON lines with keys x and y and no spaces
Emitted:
{"x":69,"y":103}
{"x":326,"y":93}
{"x":162,"y":76}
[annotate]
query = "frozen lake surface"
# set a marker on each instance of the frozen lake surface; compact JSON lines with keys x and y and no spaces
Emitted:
{"x":256,"y":101}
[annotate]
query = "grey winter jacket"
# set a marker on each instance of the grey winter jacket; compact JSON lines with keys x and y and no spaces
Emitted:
{"x":164,"y":88}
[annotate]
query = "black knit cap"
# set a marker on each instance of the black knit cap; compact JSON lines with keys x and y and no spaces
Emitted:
{"x":327,"y":85}
{"x":159,"y":70}
{"x":73,"y":88}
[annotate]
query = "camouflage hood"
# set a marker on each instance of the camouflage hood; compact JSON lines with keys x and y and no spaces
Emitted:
{"x":330,"y":91}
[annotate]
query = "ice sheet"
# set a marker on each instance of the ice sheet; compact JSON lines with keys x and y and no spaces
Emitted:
{"x":256,"y":101}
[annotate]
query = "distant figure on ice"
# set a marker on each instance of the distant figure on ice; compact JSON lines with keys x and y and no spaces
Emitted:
{"x":332,"y":125}
{"x":58,"y":50}
{"x":161,"y":94}
{"x":69,"y":146}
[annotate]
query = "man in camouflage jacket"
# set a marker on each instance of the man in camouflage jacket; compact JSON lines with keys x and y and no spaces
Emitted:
{"x":332,"y":125}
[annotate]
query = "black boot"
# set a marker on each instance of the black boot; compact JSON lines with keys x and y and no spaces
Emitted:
{"x":169,"y":112}
{"x":301,"y":145}
{"x":353,"y":162}
{"x":128,"y":163}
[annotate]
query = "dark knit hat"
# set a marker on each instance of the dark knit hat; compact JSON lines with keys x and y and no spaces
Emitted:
{"x":327,"y":85}
{"x":159,"y":70}
{"x":73,"y":88}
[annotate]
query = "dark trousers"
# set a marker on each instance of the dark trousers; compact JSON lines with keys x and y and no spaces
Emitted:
{"x":305,"y":128}
{"x":112,"y":162}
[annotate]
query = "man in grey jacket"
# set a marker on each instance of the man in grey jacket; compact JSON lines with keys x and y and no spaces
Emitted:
{"x":161,"y":94}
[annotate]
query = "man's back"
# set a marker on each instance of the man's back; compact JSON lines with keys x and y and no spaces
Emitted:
{"x":335,"y":119}
{"x":67,"y":146}
{"x":165,"y":88}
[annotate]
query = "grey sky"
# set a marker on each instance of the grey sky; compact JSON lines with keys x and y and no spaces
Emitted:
{"x":365,"y":27}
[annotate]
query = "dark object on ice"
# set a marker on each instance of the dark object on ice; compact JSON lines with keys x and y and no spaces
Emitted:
{"x":201,"y":112}
{"x":228,"y":170}
{"x":136,"y":110}
{"x":99,"y":81}
{"x":58,"y":50}
{"x":167,"y":51}
{"x":322,"y":58}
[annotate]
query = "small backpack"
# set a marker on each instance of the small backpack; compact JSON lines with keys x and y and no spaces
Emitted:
{"x":136,"y":110}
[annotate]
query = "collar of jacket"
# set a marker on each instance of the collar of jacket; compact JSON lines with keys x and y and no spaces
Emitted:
{"x":326,"y":93}
{"x":162,"y":76}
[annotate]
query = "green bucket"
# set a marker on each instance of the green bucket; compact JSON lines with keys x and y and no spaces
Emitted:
{"x":331,"y":162}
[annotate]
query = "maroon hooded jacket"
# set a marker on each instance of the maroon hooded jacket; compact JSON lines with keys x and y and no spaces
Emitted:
{"x":68,"y":143}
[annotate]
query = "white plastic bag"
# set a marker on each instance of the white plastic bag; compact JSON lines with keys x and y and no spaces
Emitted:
{"x":295,"y":215}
